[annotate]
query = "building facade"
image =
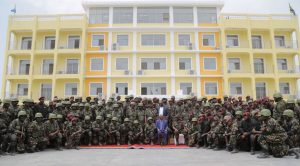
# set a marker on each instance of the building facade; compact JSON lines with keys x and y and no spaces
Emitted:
{"x":151,"y":49}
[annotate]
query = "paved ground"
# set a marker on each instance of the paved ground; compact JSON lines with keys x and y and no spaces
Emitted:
{"x":142,"y":157}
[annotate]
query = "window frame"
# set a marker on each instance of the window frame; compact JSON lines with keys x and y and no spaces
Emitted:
{"x":185,"y":58}
{"x":93,"y":58}
{"x":71,"y":89}
{"x":186,"y":83}
{"x":238,"y":40}
{"x":165,"y":41}
{"x":216,"y":82}
{"x":216,"y":63}
{"x":104,"y":40}
{"x":23,"y":95}
{"x":90,"y":83}
{"x":209,"y":45}
{"x":153,"y":63}
{"x":66,"y":62}
{"x":242,"y":92}
{"x":116,"y":63}
{"x":122,"y":83}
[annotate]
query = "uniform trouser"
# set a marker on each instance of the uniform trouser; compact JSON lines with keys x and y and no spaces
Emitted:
{"x":116,"y":136}
{"x":193,"y":139}
{"x":73,"y":140}
{"x":162,"y":135}
{"x":87,"y":137}
{"x":293,"y":140}
{"x":149,"y":137}
{"x":56,"y":140}
{"x":270,"y":144}
{"x":4,"y":139}
{"x":218,"y":139}
{"x":17,"y":141}
{"x":100,"y":136}
{"x":253,"y":140}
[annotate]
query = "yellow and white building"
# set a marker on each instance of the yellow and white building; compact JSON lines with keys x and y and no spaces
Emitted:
{"x":151,"y":49}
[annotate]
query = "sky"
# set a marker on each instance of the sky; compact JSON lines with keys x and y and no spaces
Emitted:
{"x":75,"y":6}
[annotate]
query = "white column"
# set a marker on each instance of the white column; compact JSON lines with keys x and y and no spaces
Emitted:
{"x":134,"y":87}
{"x":195,"y":16}
{"x":296,"y":63}
{"x":172,"y":65}
{"x":171,"y":16}
{"x":109,"y":54}
{"x":134,"y":16}
{"x":110,"y":16}
{"x":134,"y":36}
{"x":173,"y":85}
{"x":198,"y":88}
{"x":298,"y":88}
{"x":108,"y":87}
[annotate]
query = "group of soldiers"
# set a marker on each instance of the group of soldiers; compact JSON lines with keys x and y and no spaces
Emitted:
{"x":233,"y":124}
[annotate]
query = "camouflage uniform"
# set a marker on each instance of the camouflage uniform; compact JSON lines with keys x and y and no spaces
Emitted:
{"x":292,"y":127}
{"x":86,"y":135}
{"x":99,"y":130}
{"x":37,"y":139}
{"x":149,"y":131}
{"x":53,"y":132}
{"x":137,"y":133}
{"x":114,"y":130}
{"x":193,"y":133}
{"x":73,"y":134}
{"x":126,"y":131}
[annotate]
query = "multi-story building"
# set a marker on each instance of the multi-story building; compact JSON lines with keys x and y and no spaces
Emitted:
{"x":151,"y":49}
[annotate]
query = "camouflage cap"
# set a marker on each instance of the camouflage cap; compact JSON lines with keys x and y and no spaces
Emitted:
{"x":194,"y":119}
{"x":74,"y":105}
{"x":52,"y":116}
{"x":135,"y":121}
{"x":98,"y":117}
{"x":38,"y":115}
{"x":59,"y":116}
{"x":290,"y":101}
{"x":58,"y":105}
{"x":150,"y":118}
{"x":14,"y":100}
{"x":6,"y":101}
{"x":115,"y":106}
{"x":288,"y":113}
{"x":87,"y":118}
{"x":277,"y":95}
{"x":244,"y":103}
{"x":108,"y":116}
{"x":239,"y":113}
{"x":265,"y":112}
{"x":126,"y":120}
{"x":140,"y":105}
{"x":114,"y":119}
{"x":22,"y":113}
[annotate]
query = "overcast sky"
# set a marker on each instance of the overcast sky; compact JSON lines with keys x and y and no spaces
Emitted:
{"x":74,"y":6}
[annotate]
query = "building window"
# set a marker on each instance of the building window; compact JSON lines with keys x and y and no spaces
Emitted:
{"x":49,"y":42}
{"x":260,"y":90}
{"x":234,"y":64}
{"x":122,"y":40}
{"x":208,"y":40}
{"x":256,"y":42}
{"x":183,"y":15}
{"x":153,"y":40}
{"x":72,"y":66}
{"x":279,"y":41}
{"x":48,"y":65}
{"x":122,"y":88}
{"x":284,"y":88}
{"x":185,"y":63}
{"x":236,"y":88}
{"x":121,"y":63}
{"x":96,"y":64}
{"x":211,"y":88}
{"x":282,"y":64}
{"x":184,"y":39}
{"x":153,"y":14}
{"x":186,"y":88}
{"x":24,"y":67}
{"x":153,"y":63}
{"x":207,"y":15}
{"x":71,"y":89}
{"x":73,"y":42}
{"x":259,"y":65}
{"x":46,"y":91}
{"x":210,"y":64}
{"x":95,"y":89}
{"x":97,"y":40}
{"x":232,"y":41}
{"x":22,"y":90}
{"x":123,"y":15}
{"x":26,"y":43}
{"x":98,"y":15}
{"x":153,"y":89}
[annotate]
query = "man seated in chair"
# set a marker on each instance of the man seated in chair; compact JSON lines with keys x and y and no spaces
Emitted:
{"x":162,"y":130}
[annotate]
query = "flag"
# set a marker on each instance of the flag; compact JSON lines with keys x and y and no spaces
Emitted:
{"x":14,"y":10}
{"x":292,"y":10}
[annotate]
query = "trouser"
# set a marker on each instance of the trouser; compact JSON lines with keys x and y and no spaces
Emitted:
{"x":162,"y":136}
{"x":55,"y":140}
{"x":270,"y":144}
{"x":149,"y":137}
{"x":17,"y":142}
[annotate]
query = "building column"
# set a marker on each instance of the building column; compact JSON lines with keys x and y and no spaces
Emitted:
{"x":110,"y":16}
{"x":134,"y":86}
{"x":253,"y":87}
{"x":296,"y":63}
{"x":298,"y":87}
{"x":171,"y":16}
{"x":6,"y":57}
{"x":134,"y":16}
{"x":195,"y":15}
{"x":173,"y":86}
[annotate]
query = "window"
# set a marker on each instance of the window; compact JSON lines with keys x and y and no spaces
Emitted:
{"x":97,"y":40}
{"x":153,"y":89}
{"x":207,"y":15}
{"x":98,"y":15}
{"x":95,"y":89}
{"x":232,"y":41}
{"x":259,"y":65}
{"x":185,"y":64}
{"x":279,"y":41}
{"x":186,"y":88}
{"x":184,"y":39}
{"x":211,"y":88}
{"x":208,"y":40}
{"x":153,"y":40}
{"x":260,"y":90}
{"x":26,"y":43}
{"x":183,"y":15}
{"x":122,"y":88}
{"x":122,"y":40}
{"x":256,"y":42}
{"x":121,"y":63}
{"x":234,"y":64}
{"x":153,"y":15}
{"x":24,"y":67}
{"x":284,"y":88}
{"x":73,"y":42}
{"x":96,"y":64}
{"x":49,"y":42}
{"x":72,"y":66}
{"x":153,"y":63}
{"x":123,"y":15}
{"x":282,"y":64}
{"x":71,"y":89}
{"x":210,"y":64}
{"x":236,"y":88}
{"x":47,"y":66}
{"x":46,"y":91}
{"x":22,"y":89}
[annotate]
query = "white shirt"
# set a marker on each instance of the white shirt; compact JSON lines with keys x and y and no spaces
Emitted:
{"x":161,"y":111}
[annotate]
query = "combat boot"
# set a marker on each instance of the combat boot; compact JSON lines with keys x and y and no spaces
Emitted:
{"x":263,"y":155}
{"x":252,"y":152}
{"x":294,"y":151}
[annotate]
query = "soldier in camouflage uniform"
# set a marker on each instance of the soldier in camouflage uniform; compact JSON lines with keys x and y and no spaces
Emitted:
{"x":273,"y":137}
{"x":179,"y":127}
{"x":86,"y":135}
{"x":73,"y":134}
{"x":37,"y":139}
{"x":117,"y":113}
{"x":141,"y":114}
{"x":279,"y":107}
{"x":98,"y":130}
{"x":193,"y":133}
{"x":59,"y":110}
{"x":131,"y":112}
{"x":114,"y":130}
{"x":18,"y":136}
{"x":150,"y":131}
{"x":53,"y":132}
{"x":137,"y":133}
{"x":292,"y":127}
{"x":231,"y":134}
{"x":126,"y":131}
{"x":26,"y":107}
{"x":14,"y":108}
{"x":3,"y":133}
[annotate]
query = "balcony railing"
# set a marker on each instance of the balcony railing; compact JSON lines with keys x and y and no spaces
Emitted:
{"x":67,"y":72}
{"x":258,"y":44}
{"x":287,"y":44}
